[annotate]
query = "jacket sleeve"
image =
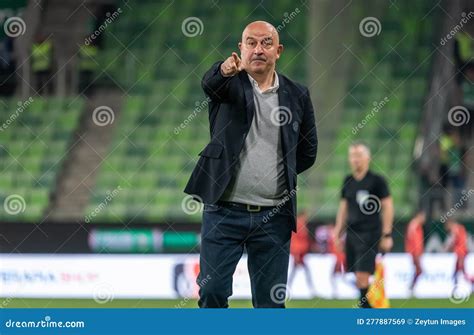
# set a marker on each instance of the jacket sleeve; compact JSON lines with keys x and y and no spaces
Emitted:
{"x":308,"y":140}
{"x":216,"y":86}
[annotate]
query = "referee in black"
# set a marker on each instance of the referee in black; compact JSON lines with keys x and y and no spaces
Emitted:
{"x":366,"y":210}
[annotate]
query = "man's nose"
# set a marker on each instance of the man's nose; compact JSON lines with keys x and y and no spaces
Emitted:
{"x":258,"y":49}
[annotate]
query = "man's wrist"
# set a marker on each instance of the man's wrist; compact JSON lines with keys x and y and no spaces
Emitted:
{"x":223,"y":74}
{"x":387,"y":235}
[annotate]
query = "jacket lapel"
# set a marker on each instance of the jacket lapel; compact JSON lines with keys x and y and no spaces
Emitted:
{"x":248,"y":93}
{"x":284,"y":103}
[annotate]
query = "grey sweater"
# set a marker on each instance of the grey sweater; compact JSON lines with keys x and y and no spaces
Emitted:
{"x":259,"y":177}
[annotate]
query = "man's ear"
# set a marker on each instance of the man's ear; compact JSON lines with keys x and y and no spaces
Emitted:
{"x":279,"y":50}
{"x":240,"y":47}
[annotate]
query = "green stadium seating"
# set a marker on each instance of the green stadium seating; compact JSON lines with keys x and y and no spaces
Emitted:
{"x":33,"y":148}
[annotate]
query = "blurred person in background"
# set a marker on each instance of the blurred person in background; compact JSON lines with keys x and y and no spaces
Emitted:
{"x":414,"y":243}
{"x":6,"y":54}
{"x":466,"y":99}
{"x":364,"y":195}
{"x":299,"y":248}
{"x":456,"y":242}
{"x":42,"y":64}
{"x":7,"y":66}
{"x":467,"y":87}
{"x":453,"y":172}
{"x":463,"y":48}
{"x":88,"y":65}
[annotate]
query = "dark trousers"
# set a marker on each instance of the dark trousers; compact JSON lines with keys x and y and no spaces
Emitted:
{"x":225,"y":233}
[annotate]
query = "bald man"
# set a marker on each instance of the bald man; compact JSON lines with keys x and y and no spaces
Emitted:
{"x":366,"y":210}
{"x":263,"y":134}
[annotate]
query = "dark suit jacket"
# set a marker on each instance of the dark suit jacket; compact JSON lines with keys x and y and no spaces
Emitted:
{"x":231,"y":112}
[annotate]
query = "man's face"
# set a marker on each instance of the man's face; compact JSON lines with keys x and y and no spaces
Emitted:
{"x":359,"y":158}
{"x":259,"y":48}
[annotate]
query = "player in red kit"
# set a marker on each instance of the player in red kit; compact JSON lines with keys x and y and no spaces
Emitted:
{"x":414,"y":243}
{"x":457,"y":243}
{"x":299,"y":248}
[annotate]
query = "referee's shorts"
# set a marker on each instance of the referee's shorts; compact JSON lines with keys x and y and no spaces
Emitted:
{"x":361,"y":250}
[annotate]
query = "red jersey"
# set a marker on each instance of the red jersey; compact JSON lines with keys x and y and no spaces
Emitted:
{"x":459,"y":235}
{"x":300,"y":243}
{"x":414,"y":242}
